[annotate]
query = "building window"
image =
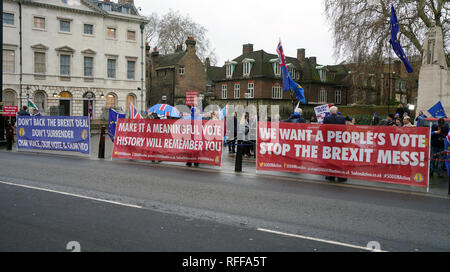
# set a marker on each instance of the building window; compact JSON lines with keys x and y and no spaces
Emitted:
{"x":224,"y":91}
{"x":111,"y":68}
{"x":9,"y":61}
{"x":229,"y":70}
{"x":276,"y":69}
{"x":8,"y":18}
{"x":322,"y":75}
{"x":130,"y":69}
{"x":64,"y":25}
{"x":237,"y":91}
{"x":106,"y":7}
{"x":323,"y":96}
{"x":39,"y":22}
{"x":88,"y":29}
{"x":181,"y":70}
{"x":64,"y":65}
{"x":39,"y":63}
{"x":39,"y":100}
{"x":292,"y":72}
{"x":88,"y":66}
{"x":111,"y":33}
{"x":338,"y":97}
{"x":247,"y":68}
{"x":131,"y":35}
{"x":9,"y":98}
{"x":251,"y":90}
{"x":125,"y":10}
{"x":111,"y":101}
{"x":277,"y":92}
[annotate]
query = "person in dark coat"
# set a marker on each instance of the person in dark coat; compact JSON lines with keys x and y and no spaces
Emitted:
{"x":334,"y":119}
{"x":296,"y":117}
{"x":24,"y":111}
{"x":390,"y":120}
{"x":438,"y":134}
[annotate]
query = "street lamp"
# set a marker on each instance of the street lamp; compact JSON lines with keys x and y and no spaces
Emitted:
{"x":142,"y":99}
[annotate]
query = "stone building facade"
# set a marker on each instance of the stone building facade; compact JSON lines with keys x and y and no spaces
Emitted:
{"x":76,"y":53}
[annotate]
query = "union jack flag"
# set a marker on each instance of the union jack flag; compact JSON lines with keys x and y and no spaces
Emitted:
{"x":134,"y":114}
{"x":281,"y":56}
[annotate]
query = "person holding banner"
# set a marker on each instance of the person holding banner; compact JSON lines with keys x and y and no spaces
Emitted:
{"x":296,"y":117}
{"x":24,"y":111}
{"x":438,"y":133}
{"x":335,"y":119}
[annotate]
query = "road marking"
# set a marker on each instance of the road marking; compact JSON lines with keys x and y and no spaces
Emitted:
{"x":73,"y":195}
{"x":318,"y":240}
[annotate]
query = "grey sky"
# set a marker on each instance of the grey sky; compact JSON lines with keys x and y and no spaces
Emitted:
{"x":232,"y":23}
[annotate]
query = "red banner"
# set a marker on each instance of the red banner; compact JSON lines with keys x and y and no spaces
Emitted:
{"x":10,"y":111}
{"x":192,"y":99}
{"x":397,"y":155}
{"x":169,"y":140}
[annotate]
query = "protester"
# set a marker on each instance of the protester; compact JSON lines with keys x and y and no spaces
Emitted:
{"x":232,"y":131}
{"x":420,"y":117}
{"x":398,"y":122}
{"x":438,"y":134}
{"x":36,"y":112}
{"x":407,"y":122}
{"x":390,"y":120}
{"x":24,"y":111}
{"x":375,"y":120}
{"x":313,"y":120}
{"x":296,"y":117}
{"x":400,"y":110}
{"x":349,"y":121}
{"x":333,"y":118}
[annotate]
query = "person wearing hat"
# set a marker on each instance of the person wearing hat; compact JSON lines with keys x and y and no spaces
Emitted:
{"x":438,"y":134}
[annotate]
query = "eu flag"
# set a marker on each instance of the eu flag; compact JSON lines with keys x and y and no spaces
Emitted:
{"x":288,"y":82}
{"x":112,"y":122}
{"x":395,"y":42}
{"x":437,"y":111}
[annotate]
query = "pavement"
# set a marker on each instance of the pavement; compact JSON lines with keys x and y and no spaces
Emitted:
{"x":438,"y":186}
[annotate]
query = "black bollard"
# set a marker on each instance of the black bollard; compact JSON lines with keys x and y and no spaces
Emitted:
{"x":101,"y":144}
{"x":239,"y":154}
{"x":9,"y":136}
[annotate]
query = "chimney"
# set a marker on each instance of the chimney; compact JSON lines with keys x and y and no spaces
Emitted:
{"x":155,"y":59}
{"x":147,"y":50}
{"x":107,"y":1}
{"x":207,"y":62}
{"x":123,"y":2}
{"x":301,"y":54}
{"x":313,"y":60}
{"x":190,"y":45}
{"x":247,"y":48}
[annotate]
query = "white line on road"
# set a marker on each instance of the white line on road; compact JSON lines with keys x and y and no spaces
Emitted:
{"x":319,"y":240}
{"x":73,"y":195}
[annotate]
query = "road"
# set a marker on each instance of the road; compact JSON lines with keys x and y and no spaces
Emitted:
{"x":48,"y":200}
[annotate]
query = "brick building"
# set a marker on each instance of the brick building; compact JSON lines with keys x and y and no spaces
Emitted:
{"x":254,"y":77}
{"x":171,"y":76}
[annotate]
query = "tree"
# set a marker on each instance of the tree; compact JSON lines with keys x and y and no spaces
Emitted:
{"x":361,"y":27}
{"x":173,"y":29}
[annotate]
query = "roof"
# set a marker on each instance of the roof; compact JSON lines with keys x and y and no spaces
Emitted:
{"x":116,"y":7}
{"x":170,"y":59}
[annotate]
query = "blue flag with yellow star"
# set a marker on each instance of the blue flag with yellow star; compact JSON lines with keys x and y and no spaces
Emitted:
{"x":395,"y":42}
{"x":437,"y":111}
{"x":112,"y":122}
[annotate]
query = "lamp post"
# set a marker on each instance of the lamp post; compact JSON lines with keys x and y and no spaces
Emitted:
{"x":142,"y":26}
